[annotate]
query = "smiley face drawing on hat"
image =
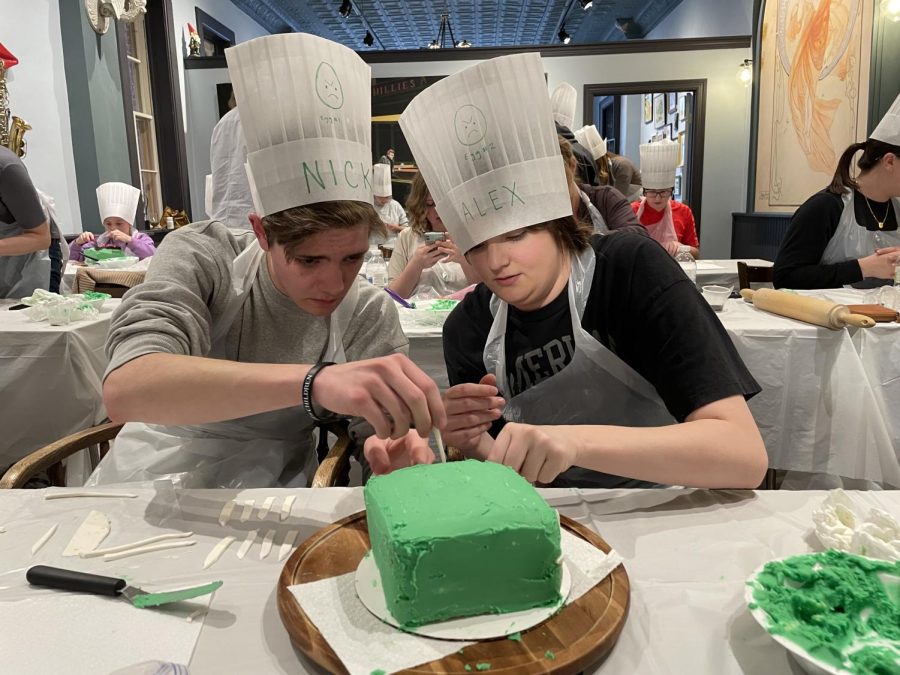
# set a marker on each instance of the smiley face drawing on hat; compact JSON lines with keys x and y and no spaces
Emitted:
{"x":328,"y":86}
{"x":470,"y":124}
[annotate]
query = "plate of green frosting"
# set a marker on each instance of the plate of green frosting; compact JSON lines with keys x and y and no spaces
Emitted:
{"x":834,"y":611}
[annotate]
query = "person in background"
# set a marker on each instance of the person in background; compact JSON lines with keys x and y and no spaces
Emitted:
{"x":601,"y":205}
{"x":118,"y":204}
{"x":24,"y":231}
{"x":388,"y":158}
{"x":848,"y":234}
{"x":231,"y":202}
{"x":671,"y":223}
{"x":237,"y":344}
{"x":612,"y":169}
{"x":425,"y":255}
{"x":562,"y":106}
{"x":58,"y":251}
{"x":612,"y":370}
{"x":391,"y":213}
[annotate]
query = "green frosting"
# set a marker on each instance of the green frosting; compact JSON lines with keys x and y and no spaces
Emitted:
{"x":482,"y":666}
{"x":832,"y":603}
{"x":462,"y":539}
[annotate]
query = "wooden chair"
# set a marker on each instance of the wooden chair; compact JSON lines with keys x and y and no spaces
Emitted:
{"x":751,"y":274}
{"x":50,"y":457}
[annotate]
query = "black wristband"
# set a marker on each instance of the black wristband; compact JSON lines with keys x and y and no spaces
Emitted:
{"x":306,"y":393}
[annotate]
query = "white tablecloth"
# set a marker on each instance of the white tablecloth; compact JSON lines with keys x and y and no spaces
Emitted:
{"x":50,"y":379}
{"x":830,"y":400}
{"x":724,"y":272}
{"x":426,"y":346}
{"x":687,"y":554}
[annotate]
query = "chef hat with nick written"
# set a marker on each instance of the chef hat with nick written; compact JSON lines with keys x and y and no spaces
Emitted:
{"x":888,"y":129}
{"x":381,"y":180}
{"x":486,"y":146}
{"x":591,"y":139}
{"x":658,"y":162}
{"x":305,"y":108}
{"x":562,"y":104}
{"x":118,"y":200}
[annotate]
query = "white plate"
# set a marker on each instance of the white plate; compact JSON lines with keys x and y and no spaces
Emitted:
{"x":482,"y":627}
{"x":807,"y":661}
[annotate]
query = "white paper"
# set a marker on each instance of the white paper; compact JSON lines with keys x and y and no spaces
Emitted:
{"x":365,"y":644}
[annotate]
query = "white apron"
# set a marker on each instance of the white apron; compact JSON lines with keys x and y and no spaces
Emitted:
{"x":600,"y":226}
{"x":596,"y":387}
{"x":272,"y":449}
{"x":851,"y":241}
{"x":21,"y":275}
{"x":664,"y":230}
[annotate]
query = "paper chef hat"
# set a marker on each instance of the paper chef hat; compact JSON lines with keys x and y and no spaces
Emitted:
{"x":305,"y":108}
{"x":562,"y":103}
{"x":381,"y":180}
{"x":591,"y":139}
{"x":118,"y":199}
{"x":658,"y":161}
{"x":485,"y":143}
{"x":888,"y":129}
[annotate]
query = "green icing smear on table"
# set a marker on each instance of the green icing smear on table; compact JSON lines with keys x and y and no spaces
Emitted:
{"x":829,"y":602}
{"x":515,"y":637}
{"x":482,"y":666}
{"x":550,"y":656}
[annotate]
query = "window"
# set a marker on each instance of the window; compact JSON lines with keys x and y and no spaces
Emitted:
{"x":143,"y":123}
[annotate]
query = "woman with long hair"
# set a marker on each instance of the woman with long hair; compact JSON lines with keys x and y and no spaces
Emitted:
{"x":421,"y":260}
{"x":848,"y":234}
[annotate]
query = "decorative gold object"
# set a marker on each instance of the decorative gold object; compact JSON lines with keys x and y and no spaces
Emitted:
{"x":12,"y":134}
{"x":179,"y":217}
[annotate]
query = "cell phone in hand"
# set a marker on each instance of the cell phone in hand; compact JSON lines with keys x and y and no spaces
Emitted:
{"x":435,"y":237}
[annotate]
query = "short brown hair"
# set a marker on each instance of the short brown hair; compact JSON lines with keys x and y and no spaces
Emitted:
{"x":570,"y":234}
{"x":292,"y":226}
{"x":873,"y":150}
{"x":415,"y":205}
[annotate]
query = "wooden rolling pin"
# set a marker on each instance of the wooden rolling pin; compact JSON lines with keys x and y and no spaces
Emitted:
{"x":811,"y":310}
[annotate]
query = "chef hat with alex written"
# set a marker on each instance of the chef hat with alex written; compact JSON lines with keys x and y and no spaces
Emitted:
{"x":562,"y":104}
{"x":591,"y":139}
{"x":485,"y":143}
{"x":658,"y":162}
{"x":305,"y":108}
{"x":118,"y":200}
{"x":888,"y":129}
{"x":381,"y":180}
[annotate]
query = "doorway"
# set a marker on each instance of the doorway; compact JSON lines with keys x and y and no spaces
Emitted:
{"x":630,"y":113}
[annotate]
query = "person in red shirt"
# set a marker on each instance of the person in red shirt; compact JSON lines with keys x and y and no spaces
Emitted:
{"x":671,"y":223}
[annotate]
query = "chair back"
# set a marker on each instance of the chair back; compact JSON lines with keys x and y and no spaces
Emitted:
{"x":752,"y":274}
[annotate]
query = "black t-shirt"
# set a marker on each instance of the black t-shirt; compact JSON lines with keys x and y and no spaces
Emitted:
{"x":642,"y":307}
{"x":812,"y":227}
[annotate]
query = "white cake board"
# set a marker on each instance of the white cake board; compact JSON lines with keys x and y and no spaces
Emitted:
{"x":370,"y":591}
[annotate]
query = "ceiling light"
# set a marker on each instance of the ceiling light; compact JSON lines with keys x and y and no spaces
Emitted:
{"x":586,"y":4}
{"x":434,"y":44}
{"x":891,"y":9}
{"x":463,"y":44}
{"x":346,"y":8}
{"x":369,"y":39}
{"x":745,"y":72}
{"x":564,"y":37}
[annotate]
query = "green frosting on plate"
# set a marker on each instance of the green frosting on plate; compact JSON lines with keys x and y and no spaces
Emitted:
{"x":840,"y":608}
{"x":462,"y":539}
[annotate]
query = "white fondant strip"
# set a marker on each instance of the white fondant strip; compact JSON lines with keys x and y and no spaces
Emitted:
{"x":267,"y":544}
{"x":89,"y":535}
{"x":247,"y":543}
{"x":135,"y":544}
{"x":43,"y":540}
{"x":111,"y":495}
{"x":226,"y":512}
{"x":286,"y":506}
{"x":265,"y":508}
{"x":217,"y":551}
{"x":288,"y":545}
{"x":248,"y":509}
{"x":109,"y":557}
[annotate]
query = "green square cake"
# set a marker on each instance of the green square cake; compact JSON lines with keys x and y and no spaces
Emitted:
{"x":461,"y":539}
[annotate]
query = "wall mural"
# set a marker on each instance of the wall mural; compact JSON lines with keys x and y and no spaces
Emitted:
{"x":813,"y":95}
